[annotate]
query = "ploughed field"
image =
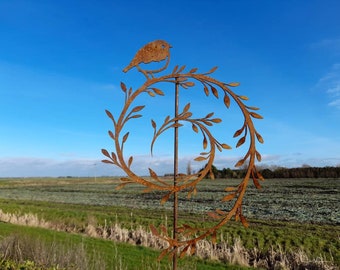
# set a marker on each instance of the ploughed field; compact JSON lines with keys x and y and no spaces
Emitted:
{"x":301,"y":200}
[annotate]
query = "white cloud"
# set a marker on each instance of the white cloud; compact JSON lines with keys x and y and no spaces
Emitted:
{"x":330,"y":83}
{"x":335,"y":103}
{"x":32,"y":166}
{"x":40,"y":167}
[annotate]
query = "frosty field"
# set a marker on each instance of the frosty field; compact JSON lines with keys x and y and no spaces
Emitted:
{"x":302,"y":200}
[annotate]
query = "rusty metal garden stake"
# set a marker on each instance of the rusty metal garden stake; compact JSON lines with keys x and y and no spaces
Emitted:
{"x":184,"y":238}
{"x":175,"y":207}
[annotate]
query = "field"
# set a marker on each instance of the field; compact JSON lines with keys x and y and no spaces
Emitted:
{"x":301,"y":200}
{"x":286,"y":214}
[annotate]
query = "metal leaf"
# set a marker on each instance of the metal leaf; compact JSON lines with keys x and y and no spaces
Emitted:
{"x":106,"y":153}
{"x":181,"y":69}
{"x":193,"y":70}
{"x":193,"y":248}
{"x":233,"y":84}
{"x":207,"y":123}
{"x":212,"y":70}
{"x":113,"y":156}
{"x":162,"y":255}
{"x":226,"y":101}
{"x":256,"y":183}
{"x":216,"y":120}
{"x":259,"y":175}
{"x":200,"y":158}
{"x":190,"y":84}
{"x":239,"y":163}
{"x":120,"y":186}
{"x":125,"y":137}
{"x":137,"y":108}
{"x":107,"y":161}
{"x":239,"y":132}
{"x":166,"y":198}
{"x":256,"y":115}
{"x":229,"y":197}
{"x":205,"y":142}
{"x":244,"y":221}
{"x":154,"y":230}
{"x":130,"y":161}
{"x":123,"y":86}
{"x":153,"y":174}
{"x":167,"y":119}
{"x":206,"y":90}
{"x":158,"y":91}
{"x":184,"y":251}
{"x":153,"y":123}
{"x":243,"y":97}
{"x":186,"y":108}
{"x":194,"y":128}
{"x":135,"y":116}
{"x":259,"y":138}
{"x":228,"y":189}
{"x":226,"y":146}
{"x":214,"y":91}
{"x":186,"y":115}
{"x":258,"y":156}
{"x":152,"y":94}
{"x":241,"y":141}
{"x":109,"y":114}
{"x":111,"y":134}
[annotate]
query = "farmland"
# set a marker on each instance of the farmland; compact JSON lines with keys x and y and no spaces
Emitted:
{"x":301,"y":200}
{"x":290,"y":213}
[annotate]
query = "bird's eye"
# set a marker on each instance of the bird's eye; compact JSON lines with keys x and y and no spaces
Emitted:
{"x":163,"y":46}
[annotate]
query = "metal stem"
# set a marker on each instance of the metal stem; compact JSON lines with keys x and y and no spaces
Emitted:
{"x":175,"y":206}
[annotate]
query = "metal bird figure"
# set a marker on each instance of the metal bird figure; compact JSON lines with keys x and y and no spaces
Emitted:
{"x":154,"y":51}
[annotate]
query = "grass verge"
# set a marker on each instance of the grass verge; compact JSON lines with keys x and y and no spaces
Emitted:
{"x":97,"y":253}
{"x":314,"y":239}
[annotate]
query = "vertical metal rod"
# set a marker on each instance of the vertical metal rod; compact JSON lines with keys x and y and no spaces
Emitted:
{"x":175,"y":206}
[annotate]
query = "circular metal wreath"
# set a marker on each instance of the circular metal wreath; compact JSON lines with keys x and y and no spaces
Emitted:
{"x":157,"y":51}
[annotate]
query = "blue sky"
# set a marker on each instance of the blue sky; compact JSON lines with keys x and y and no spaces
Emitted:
{"x":61,"y":66}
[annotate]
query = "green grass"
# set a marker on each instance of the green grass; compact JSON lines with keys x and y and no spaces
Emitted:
{"x":115,"y":255}
{"x":290,"y":213}
{"x":314,"y":239}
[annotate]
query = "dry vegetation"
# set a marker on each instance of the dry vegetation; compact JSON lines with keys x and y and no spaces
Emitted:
{"x":20,"y":249}
{"x":35,"y":253}
{"x":47,"y":203}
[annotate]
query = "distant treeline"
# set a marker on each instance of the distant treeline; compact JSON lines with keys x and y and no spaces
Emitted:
{"x":280,"y":172}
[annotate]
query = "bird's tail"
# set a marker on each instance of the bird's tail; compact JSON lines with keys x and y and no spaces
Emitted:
{"x":127,"y":68}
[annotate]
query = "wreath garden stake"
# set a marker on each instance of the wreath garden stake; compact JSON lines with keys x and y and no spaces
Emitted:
{"x":183,"y":239}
